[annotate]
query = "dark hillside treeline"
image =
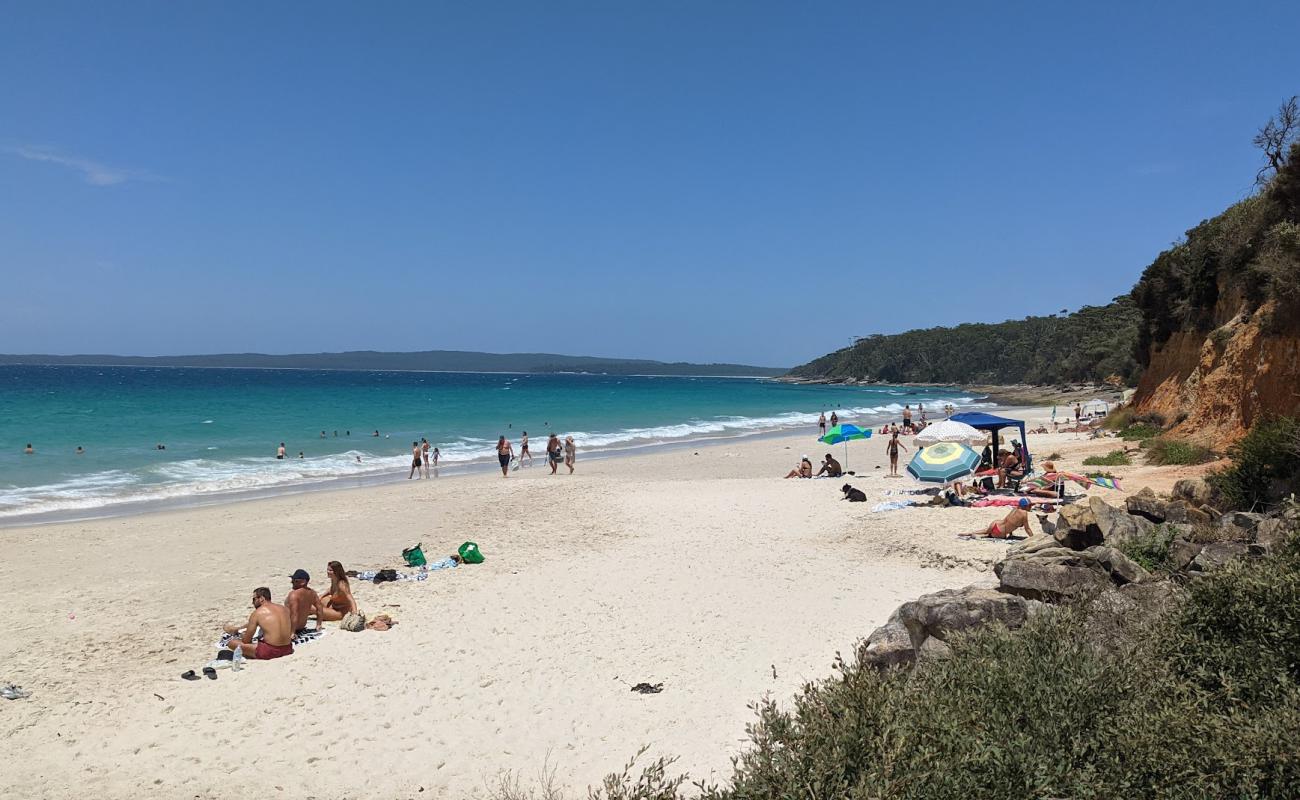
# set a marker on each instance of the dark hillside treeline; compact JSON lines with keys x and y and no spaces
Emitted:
{"x":1088,"y":346}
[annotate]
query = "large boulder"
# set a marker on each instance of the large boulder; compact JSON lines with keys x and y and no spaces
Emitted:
{"x":1123,"y":570}
{"x":1216,"y":554}
{"x":1184,"y":512}
{"x":1270,"y":534}
{"x":1239,"y":526}
{"x":1194,"y":490}
{"x":1076,"y":527}
{"x":920,"y":628}
{"x":1147,"y":504}
{"x":1052,"y":575}
{"x":1181,"y":553}
{"x":1116,"y":525}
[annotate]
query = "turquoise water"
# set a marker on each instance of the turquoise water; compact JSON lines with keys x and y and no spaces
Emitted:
{"x":221,"y":427}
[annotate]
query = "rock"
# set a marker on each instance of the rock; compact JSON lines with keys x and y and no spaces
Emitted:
{"x":933,"y":648}
{"x":1238,"y":526}
{"x":1035,"y":543}
{"x":1122,"y":569}
{"x":1182,"y":511}
{"x":1051,"y":575}
{"x":1182,"y":553}
{"x":1076,"y":527}
{"x":1116,"y":525}
{"x":1194,"y":490}
{"x":1216,"y":554}
{"x":1269,"y":535}
{"x":890,"y":645}
{"x":941,"y":614}
{"x":1146,"y":504}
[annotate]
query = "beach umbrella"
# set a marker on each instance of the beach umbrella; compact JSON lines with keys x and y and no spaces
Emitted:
{"x":949,"y":431}
{"x":943,"y":462}
{"x":843,"y":433}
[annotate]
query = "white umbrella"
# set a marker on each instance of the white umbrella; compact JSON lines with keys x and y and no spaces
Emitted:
{"x":950,"y":431}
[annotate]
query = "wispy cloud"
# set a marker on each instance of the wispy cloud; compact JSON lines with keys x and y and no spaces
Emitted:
{"x":93,"y":172}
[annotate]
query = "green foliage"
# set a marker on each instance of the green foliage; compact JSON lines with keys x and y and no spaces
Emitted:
{"x":1265,"y":465}
{"x":1118,"y":420}
{"x":1115,"y":458}
{"x":1162,"y":451}
{"x":1086,"y":346}
{"x":1139,"y":432}
{"x":1151,"y":548}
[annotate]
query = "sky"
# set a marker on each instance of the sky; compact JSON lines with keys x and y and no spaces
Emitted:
{"x":748,"y":182}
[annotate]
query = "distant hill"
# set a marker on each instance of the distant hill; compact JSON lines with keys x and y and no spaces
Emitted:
{"x":1088,"y":346}
{"x":428,"y":360}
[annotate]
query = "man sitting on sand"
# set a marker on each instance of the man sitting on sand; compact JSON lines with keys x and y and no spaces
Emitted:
{"x":273,"y":620}
{"x":303,"y":602}
{"x":804,"y":470}
{"x":1017,"y":518}
{"x":830,"y":467}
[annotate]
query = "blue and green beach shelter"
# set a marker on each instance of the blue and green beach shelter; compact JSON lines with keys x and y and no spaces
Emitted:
{"x":843,"y":433}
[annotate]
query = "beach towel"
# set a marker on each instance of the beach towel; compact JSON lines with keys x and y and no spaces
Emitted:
{"x":422,"y":574}
{"x":891,"y":505}
{"x":300,"y":638}
{"x":987,"y":502}
{"x":1107,"y":483}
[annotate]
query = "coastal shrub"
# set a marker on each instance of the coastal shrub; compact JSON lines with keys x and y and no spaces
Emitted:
{"x":1139,"y":431}
{"x":1100,"y":474}
{"x":1055,"y":456}
{"x":1151,"y":548}
{"x":1119,"y":419}
{"x":1165,"y":452}
{"x":1265,"y":466}
{"x":1115,"y":458}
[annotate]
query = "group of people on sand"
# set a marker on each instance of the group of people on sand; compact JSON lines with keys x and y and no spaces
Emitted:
{"x":830,"y":468}
{"x":423,"y":458}
{"x":557,"y":452}
{"x":278,"y":624}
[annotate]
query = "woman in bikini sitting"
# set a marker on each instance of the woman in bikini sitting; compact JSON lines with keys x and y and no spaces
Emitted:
{"x":338,"y":602}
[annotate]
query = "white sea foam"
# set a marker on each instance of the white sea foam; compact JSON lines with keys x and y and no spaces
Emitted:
{"x":205,"y":477}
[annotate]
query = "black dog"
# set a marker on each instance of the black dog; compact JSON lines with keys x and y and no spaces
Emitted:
{"x":854,"y":495}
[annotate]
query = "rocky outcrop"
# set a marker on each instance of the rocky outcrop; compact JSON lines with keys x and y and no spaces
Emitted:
{"x":1056,"y":574}
{"x":922,"y":627}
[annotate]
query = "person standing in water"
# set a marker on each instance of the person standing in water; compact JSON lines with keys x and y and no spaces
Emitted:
{"x":523,"y":450}
{"x":835,"y":419}
{"x":504,"y":451}
{"x":436,"y":455}
{"x":892,"y":448}
{"x":279,"y":453}
{"x":415,"y":460}
{"x":424,"y":452}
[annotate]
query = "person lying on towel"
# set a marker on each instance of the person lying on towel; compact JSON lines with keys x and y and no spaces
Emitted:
{"x":1017,"y":518}
{"x":277,"y":630}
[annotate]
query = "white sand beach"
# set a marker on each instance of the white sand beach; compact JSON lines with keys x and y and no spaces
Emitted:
{"x":699,"y":568}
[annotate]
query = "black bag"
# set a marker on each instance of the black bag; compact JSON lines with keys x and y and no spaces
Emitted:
{"x":987,"y":483}
{"x":385,"y":575}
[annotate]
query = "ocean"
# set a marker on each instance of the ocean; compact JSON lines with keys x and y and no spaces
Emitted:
{"x":221,"y":427}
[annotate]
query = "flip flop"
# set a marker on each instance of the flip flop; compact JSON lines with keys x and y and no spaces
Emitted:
{"x":189,"y":675}
{"x":210,"y":672}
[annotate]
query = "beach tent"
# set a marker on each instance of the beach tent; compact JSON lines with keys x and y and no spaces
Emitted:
{"x":994,"y":423}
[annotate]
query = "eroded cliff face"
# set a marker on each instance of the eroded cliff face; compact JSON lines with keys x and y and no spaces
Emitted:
{"x":1219,"y":384}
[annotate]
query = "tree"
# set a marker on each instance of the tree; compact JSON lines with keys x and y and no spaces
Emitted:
{"x":1275,"y":139}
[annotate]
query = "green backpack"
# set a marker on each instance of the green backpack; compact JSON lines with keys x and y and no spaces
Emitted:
{"x":469,"y":553}
{"x":414,"y":556}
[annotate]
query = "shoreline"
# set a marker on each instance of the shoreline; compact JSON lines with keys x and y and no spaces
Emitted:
{"x":150,"y":505}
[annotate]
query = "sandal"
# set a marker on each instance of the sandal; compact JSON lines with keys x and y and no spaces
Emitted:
{"x":210,"y":673}
{"x":189,"y":675}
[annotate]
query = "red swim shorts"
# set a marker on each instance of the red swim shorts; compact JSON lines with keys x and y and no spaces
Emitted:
{"x":265,"y":651}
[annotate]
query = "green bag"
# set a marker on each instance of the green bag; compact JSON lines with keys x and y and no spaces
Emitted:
{"x":414,"y":556}
{"x":469,"y":553}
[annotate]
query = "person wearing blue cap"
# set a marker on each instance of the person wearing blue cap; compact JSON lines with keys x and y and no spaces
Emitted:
{"x":303,"y":602}
{"x":1017,"y":518}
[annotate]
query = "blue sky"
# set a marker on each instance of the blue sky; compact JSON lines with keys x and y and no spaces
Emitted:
{"x":737,"y":181}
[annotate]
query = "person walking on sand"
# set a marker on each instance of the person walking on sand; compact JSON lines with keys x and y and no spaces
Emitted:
{"x":436,"y":456}
{"x":907,"y":418}
{"x":821,"y":423}
{"x":835,"y":419}
{"x":554,"y":452}
{"x":424,"y":454}
{"x":275,"y":624}
{"x":415,"y":460}
{"x":570,"y":453}
{"x":504,"y":451}
{"x":523,"y":450}
{"x":891,"y":447}
{"x":1078,"y":413}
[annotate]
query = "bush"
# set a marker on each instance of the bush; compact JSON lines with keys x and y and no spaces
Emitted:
{"x":1139,"y":431}
{"x":1151,"y":549}
{"x":1265,"y":466}
{"x":1175,"y":451}
{"x":1118,"y":419}
{"x":1115,"y":458}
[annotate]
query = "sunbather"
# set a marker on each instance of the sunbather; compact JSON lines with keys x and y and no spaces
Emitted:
{"x":274,"y":621}
{"x":830,"y":467}
{"x":1017,"y":518}
{"x":1008,"y":468}
{"x":804,"y":470}
{"x":303,"y":602}
{"x":338,"y":602}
